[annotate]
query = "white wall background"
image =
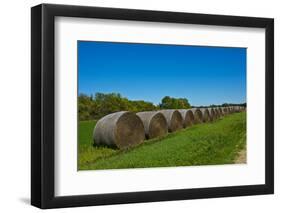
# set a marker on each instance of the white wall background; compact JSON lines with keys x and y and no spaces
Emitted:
{"x":15,"y":105}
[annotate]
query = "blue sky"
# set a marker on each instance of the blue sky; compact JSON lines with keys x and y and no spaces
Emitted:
{"x":203,"y":75}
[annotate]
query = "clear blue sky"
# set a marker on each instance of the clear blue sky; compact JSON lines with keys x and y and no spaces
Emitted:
{"x":203,"y":75}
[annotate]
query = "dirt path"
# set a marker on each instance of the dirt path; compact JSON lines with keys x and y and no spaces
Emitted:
{"x":241,"y":157}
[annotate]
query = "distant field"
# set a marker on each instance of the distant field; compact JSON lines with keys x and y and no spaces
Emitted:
{"x":219,"y":142}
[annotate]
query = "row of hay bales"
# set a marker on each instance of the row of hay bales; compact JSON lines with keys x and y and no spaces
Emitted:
{"x":125,"y":129}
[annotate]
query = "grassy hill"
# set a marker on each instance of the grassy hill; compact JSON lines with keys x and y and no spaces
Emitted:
{"x":203,"y":144}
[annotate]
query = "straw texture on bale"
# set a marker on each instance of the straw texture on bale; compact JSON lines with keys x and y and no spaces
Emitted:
{"x":155,"y":124}
{"x":237,"y":108}
{"x":212,"y":114}
{"x":221,"y":111}
{"x":206,"y":114}
{"x":198,"y":116}
{"x":173,"y":118}
{"x":218,"y":113}
{"x":121,"y":129}
{"x":187,"y":116}
{"x":225,"y":111}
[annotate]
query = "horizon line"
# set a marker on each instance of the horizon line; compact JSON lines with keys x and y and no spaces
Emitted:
{"x":156,"y":104}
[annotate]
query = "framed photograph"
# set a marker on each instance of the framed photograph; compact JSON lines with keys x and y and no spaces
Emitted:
{"x":139,"y":106}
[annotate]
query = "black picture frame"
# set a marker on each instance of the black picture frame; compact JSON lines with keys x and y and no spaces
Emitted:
{"x":43,"y":117}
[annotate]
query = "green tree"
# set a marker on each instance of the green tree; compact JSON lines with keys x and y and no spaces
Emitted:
{"x":174,"y":103}
{"x":102,"y":104}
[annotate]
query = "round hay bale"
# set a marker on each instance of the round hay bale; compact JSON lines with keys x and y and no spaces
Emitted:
{"x":155,"y":124}
{"x":188,"y":117}
{"x":206,"y":114}
{"x":173,"y":118}
{"x":217,"y":111}
{"x":198,"y":116}
{"x":121,"y":129}
{"x":225,"y":110}
{"x":212,"y":114}
{"x":240,"y":108}
{"x":219,"y":114}
{"x":236,"y":108}
{"x":221,"y":111}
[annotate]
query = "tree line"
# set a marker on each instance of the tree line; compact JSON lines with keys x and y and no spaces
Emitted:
{"x":95,"y":107}
{"x":101,"y":104}
{"x":221,"y":105}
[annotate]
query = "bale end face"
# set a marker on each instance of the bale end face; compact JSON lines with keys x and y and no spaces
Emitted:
{"x":121,"y":130}
{"x":212,"y":114}
{"x":173,"y":118}
{"x":198,"y":116}
{"x":220,"y":111}
{"x":155,"y":124}
{"x":188,"y":117}
{"x":158,"y":126}
{"x":206,"y":115}
{"x":129,"y":131}
{"x":176,"y":122}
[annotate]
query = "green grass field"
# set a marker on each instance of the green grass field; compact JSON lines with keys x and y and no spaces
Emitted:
{"x":203,"y":144}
